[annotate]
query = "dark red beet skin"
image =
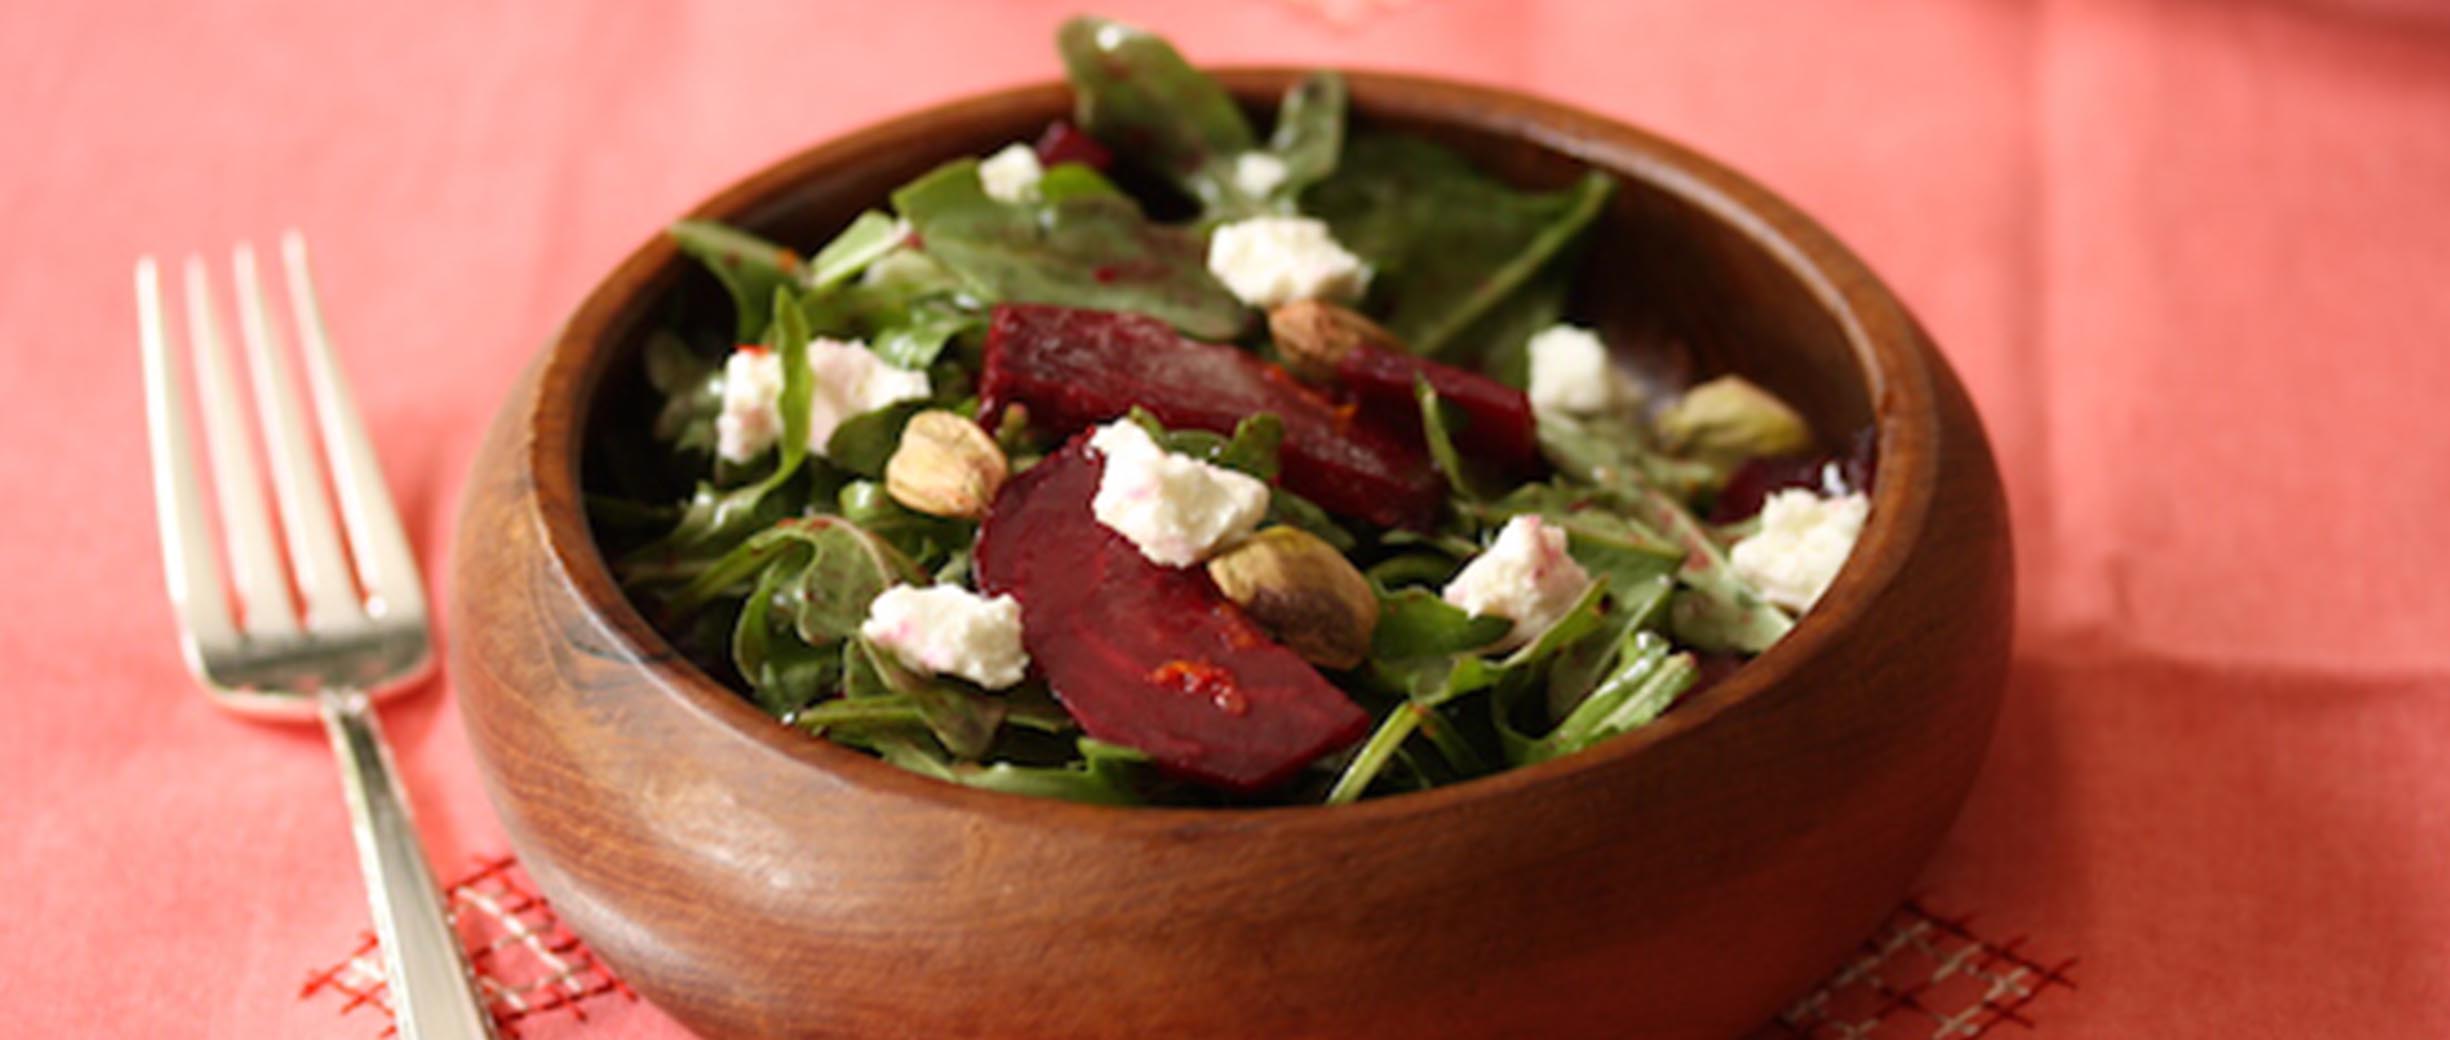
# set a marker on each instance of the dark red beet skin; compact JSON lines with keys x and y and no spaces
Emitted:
{"x":1062,"y":143}
{"x":1146,"y":656}
{"x":1076,"y":368}
{"x":1498,"y":429}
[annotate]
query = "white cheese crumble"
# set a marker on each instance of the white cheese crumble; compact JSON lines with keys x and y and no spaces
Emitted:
{"x":1177,"y":511}
{"x":1271,"y":261}
{"x":1524,"y":576}
{"x":845,"y":380}
{"x":950,"y":630}
{"x":1011,"y":175}
{"x":1258,"y":173}
{"x":1803,"y":540}
{"x":1570,"y":372}
{"x":751,"y":420}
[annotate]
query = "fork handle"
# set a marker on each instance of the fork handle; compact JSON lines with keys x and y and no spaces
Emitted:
{"x":433,"y":996}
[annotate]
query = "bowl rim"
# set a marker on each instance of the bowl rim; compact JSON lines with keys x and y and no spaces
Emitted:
{"x":1889,"y":352}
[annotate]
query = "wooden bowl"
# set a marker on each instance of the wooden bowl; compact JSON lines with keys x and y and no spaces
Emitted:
{"x":1685,"y":880}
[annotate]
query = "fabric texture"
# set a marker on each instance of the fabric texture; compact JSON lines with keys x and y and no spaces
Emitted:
{"x":2189,"y":256}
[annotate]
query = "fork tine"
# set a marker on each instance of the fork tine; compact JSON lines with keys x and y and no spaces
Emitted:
{"x":196,"y":594}
{"x":263,"y":586}
{"x":297,"y":479}
{"x":384,"y":565}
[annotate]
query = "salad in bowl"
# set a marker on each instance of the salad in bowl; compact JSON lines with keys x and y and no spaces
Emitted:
{"x":1161,"y":460}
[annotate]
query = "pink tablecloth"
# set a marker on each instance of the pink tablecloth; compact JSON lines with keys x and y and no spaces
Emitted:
{"x":2192,"y":257}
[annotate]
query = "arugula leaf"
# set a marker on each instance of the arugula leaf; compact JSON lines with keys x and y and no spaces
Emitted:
{"x":714,"y":521}
{"x":1135,"y":92}
{"x":1449,"y":243}
{"x":1437,"y":418}
{"x":867,"y":240}
{"x":1645,"y":680}
{"x":784,"y":673}
{"x":1309,"y":135}
{"x":1092,"y":250}
{"x":751,"y":269}
{"x":962,"y":719}
{"x":1375,"y":752}
{"x":1309,"y":130}
{"x":1415,"y":623}
{"x":692,"y":389}
{"x":919,"y":339}
{"x":1105,"y":774}
{"x":865,"y":442}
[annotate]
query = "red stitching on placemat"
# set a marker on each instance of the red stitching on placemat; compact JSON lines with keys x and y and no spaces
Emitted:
{"x":526,"y":962}
{"x":1926,"y":974}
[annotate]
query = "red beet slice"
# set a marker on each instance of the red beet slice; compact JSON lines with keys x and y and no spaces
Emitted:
{"x":1499,"y":429}
{"x":1076,"y":368}
{"x":1146,"y":656}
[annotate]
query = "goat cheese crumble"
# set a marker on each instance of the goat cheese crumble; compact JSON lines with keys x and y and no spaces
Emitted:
{"x":1525,"y":576}
{"x":1803,"y":541}
{"x":1011,"y":175}
{"x":1272,"y":261}
{"x":950,"y":630}
{"x":1258,"y":173}
{"x":846,"y":380}
{"x":1177,"y":511}
{"x":1571,"y":373}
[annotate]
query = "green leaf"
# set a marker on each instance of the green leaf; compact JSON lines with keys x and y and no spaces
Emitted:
{"x":865,"y":442}
{"x":1309,"y":130}
{"x":1073,"y":180}
{"x":784,"y":673}
{"x":867,"y":240}
{"x":1132,"y":90}
{"x":1105,"y":774}
{"x":962,"y":719}
{"x":1437,"y":421}
{"x":1093,"y":250}
{"x":1415,"y":623}
{"x":1285,"y":507}
{"x":1309,"y":135}
{"x":692,"y":389}
{"x":751,"y":269}
{"x":1449,"y":244}
{"x":919,"y":340}
{"x":1641,"y":686}
{"x":1375,"y":752}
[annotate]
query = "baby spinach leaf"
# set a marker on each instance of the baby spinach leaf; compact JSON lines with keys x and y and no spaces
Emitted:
{"x":752,"y":269}
{"x":1091,"y":250}
{"x":1449,"y":243}
{"x":1135,"y":92}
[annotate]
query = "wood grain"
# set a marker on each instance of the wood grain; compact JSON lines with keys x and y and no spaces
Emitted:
{"x":1682,"y":881}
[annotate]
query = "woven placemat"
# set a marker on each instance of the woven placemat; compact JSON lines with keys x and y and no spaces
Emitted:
{"x":1922,"y":975}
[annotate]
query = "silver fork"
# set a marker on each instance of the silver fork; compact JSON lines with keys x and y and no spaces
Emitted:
{"x":362,"y":632}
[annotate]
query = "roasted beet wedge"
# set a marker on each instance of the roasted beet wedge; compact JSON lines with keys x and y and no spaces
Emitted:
{"x":1498,"y":428}
{"x":1147,"y":656}
{"x":1075,"y":368}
